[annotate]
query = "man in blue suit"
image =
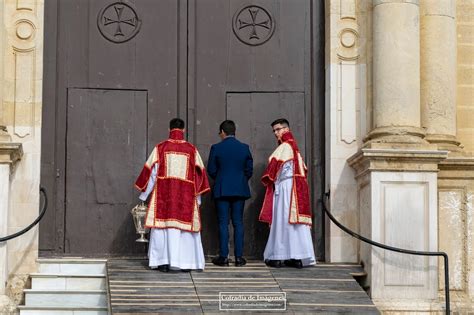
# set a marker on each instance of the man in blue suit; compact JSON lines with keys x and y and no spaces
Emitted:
{"x":230,"y":165}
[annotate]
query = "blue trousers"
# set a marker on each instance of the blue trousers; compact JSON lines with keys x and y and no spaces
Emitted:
{"x":234,"y":206}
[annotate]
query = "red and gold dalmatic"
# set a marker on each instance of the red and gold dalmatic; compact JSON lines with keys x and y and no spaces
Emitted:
{"x":181,"y":177}
{"x":300,"y":208}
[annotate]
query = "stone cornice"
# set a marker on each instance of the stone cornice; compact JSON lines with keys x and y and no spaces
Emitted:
{"x":457,"y":167}
{"x":458,"y":162}
{"x":396,"y":160}
{"x":10,"y":153}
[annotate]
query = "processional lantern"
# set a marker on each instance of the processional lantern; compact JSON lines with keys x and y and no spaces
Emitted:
{"x":138,"y":215}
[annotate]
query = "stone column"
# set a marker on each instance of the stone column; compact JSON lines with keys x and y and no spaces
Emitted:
{"x":438,"y":72}
{"x":396,"y":168}
{"x":396,"y":72}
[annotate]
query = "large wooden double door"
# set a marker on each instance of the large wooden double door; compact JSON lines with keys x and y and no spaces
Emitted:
{"x":116,"y":72}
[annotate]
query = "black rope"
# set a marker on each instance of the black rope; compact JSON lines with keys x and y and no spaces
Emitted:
{"x":29,"y":227}
{"x":396,"y":249}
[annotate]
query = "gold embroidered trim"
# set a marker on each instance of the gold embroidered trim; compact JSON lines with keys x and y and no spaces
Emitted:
{"x":198,"y":160}
{"x":172,"y":224}
{"x":305,"y":219}
{"x":150,"y":215}
{"x":284,"y":152}
{"x":177,"y":165}
{"x":196,"y":219}
{"x":153,"y":158}
{"x":293,"y":205}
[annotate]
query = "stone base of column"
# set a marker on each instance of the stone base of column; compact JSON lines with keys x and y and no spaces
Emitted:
{"x":406,"y":135}
{"x":7,"y":306}
{"x":401,"y":306}
{"x":445,"y":142}
{"x":456,"y":229}
{"x":397,"y":196}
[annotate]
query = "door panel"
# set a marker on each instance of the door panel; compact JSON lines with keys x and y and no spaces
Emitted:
{"x":106,"y":147}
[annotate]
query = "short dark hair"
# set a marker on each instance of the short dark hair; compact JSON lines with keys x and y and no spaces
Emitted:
{"x":228,"y":126}
{"x":176,"y":123}
{"x":281,"y":121}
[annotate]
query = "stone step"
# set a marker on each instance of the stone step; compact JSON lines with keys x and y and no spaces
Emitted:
{"x":72,"y":266}
{"x":58,"y":281}
{"x":359,"y":274}
{"x":79,"y":298}
{"x":62,"y":310}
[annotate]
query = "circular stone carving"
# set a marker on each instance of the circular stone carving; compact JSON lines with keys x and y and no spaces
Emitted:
{"x":118,"y":22}
{"x":24,"y":29}
{"x":348,"y":37}
{"x":253,"y":25}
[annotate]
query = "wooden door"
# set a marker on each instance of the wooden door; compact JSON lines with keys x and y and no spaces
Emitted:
{"x":250,"y":61}
{"x":115,"y":74}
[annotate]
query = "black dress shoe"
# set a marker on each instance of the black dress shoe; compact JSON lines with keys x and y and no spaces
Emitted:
{"x":164,"y":268}
{"x":240,"y":261}
{"x":220,"y":261}
{"x":274,"y":263}
{"x":295,"y":263}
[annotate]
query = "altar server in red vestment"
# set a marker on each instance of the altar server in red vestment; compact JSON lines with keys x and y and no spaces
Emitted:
{"x":173,"y":179}
{"x":286,"y":206}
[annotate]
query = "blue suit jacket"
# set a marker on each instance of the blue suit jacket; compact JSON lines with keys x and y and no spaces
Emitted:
{"x":230,"y":164}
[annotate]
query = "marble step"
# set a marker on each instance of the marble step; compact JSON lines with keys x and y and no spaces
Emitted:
{"x":72,"y":266}
{"x":78,"y":298}
{"x":62,"y":310}
{"x":59,"y":281}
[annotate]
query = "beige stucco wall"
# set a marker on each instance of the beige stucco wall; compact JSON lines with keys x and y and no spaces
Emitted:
{"x":21,"y":45}
{"x":456,"y":176}
{"x":465,"y":73}
{"x":453,"y":200}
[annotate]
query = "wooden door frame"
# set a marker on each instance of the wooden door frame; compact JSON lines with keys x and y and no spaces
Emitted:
{"x":53,"y":158}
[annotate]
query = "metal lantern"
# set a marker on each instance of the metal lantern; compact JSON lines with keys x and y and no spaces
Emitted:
{"x":139,"y":214}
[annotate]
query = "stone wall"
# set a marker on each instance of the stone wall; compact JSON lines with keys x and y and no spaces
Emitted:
{"x":417,"y":134}
{"x":456,"y":176}
{"x":21,"y":63}
{"x":348,"y":113}
{"x":465,"y":73}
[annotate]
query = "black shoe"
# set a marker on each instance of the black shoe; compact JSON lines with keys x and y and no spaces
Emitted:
{"x":240,"y":261}
{"x":220,"y":261}
{"x":164,"y":268}
{"x":274,"y":263}
{"x":295,"y":263}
